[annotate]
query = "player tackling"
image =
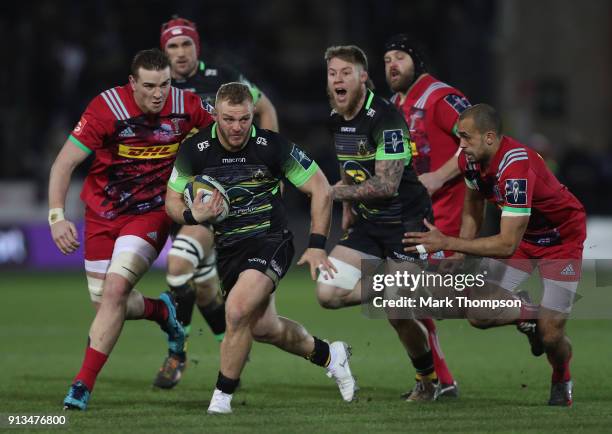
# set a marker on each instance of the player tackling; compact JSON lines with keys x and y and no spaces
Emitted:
{"x":542,"y":224}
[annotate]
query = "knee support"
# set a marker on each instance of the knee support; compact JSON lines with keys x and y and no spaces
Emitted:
{"x":206,"y":269}
{"x":94,"y":285}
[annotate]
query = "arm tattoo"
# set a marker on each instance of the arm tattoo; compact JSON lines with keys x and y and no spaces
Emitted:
{"x":383,"y":185}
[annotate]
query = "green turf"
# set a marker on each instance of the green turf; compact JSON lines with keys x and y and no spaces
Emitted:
{"x":43,"y":329}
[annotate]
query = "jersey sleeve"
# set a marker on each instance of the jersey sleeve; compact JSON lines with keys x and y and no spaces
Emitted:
{"x":516,"y":183}
{"x":184,"y":169}
{"x":447,"y":111}
{"x":199,"y":110}
{"x":94,"y":126}
{"x":295,"y":164}
{"x":390,"y":133}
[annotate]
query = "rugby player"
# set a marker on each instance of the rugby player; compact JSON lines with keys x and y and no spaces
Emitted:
{"x":431,"y":109}
{"x":192,"y":269}
{"x":542,"y":225}
{"x":134,"y":133}
{"x":381,"y":197}
{"x":254,"y":246}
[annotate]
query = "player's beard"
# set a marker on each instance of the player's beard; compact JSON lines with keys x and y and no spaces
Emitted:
{"x":352,"y":103}
{"x":404,"y":83}
{"x":233,"y":146}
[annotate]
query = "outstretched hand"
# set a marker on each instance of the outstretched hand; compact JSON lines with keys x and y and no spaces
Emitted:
{"x":317,"y":259}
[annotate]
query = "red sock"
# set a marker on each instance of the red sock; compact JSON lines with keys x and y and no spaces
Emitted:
{"x":528,"y":311}
{"x":155,"y":310}
{"x":92,"y":365}
{"x":561,"y":372}
{"x":442,"y":371}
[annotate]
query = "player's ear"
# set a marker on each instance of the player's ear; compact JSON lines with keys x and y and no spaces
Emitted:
{"x":363,"y":76}
{"x":132,"y":82}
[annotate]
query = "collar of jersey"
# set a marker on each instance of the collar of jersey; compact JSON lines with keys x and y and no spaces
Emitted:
{"x":370,"y":98}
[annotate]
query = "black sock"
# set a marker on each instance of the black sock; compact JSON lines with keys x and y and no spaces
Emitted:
{"x":227,"y":385}
{"x":214,"y":314}
{"x":320,"y":355}
{"x":184,"y":296}
{"x":424,"y":364}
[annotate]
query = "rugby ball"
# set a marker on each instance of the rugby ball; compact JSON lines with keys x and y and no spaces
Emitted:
{"x":209,"y":185}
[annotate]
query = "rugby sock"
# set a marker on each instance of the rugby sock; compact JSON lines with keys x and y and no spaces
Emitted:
{"x":214,"y":314}
{"x":155,"y":310}
{"x":227,"y":385}
{"x":92,"y":364}
{"x":528,"y":311}
{"x":320,"y":355}
{"x":185,"y":299}
{"x":424,"y":366}
{"x":442,"y":371}
{"x":561,"y":372}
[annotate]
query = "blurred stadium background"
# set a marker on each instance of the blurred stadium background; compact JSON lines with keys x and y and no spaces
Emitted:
{"x":546,"y":65}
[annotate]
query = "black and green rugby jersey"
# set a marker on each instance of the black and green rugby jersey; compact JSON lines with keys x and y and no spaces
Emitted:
{"x":209,"y":78}
{"x":379,"y":132}
{"x":250,"y":177}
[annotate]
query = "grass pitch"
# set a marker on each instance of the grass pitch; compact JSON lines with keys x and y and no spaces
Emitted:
{"x":44,"y":323}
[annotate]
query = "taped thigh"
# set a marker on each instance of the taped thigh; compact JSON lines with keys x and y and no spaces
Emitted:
{"x":346,"y":277}
{"x":559,"y":295}
{"x":132,"y":257}
{"x":503,"y":275}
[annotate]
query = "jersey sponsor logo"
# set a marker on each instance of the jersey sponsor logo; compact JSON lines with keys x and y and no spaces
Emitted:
{"x":516,"y":191}
{"x":458,"y":103}
{"x":301,"y":157}
{"x":356,"y":171}
{"x":146,"y":152}
{"x":206,"y":106}
{"x":233,"y":160}
{"x":127,"y":132}
{"x":203,"y":145}
{"x":79,"y":126}
{"x":348,"y":130}
{"x":568,"y":271}
{"x":240,"y":200}
{"x":261,"y":141}
{"x":276,"y":267}
{"x":394,"y":141}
